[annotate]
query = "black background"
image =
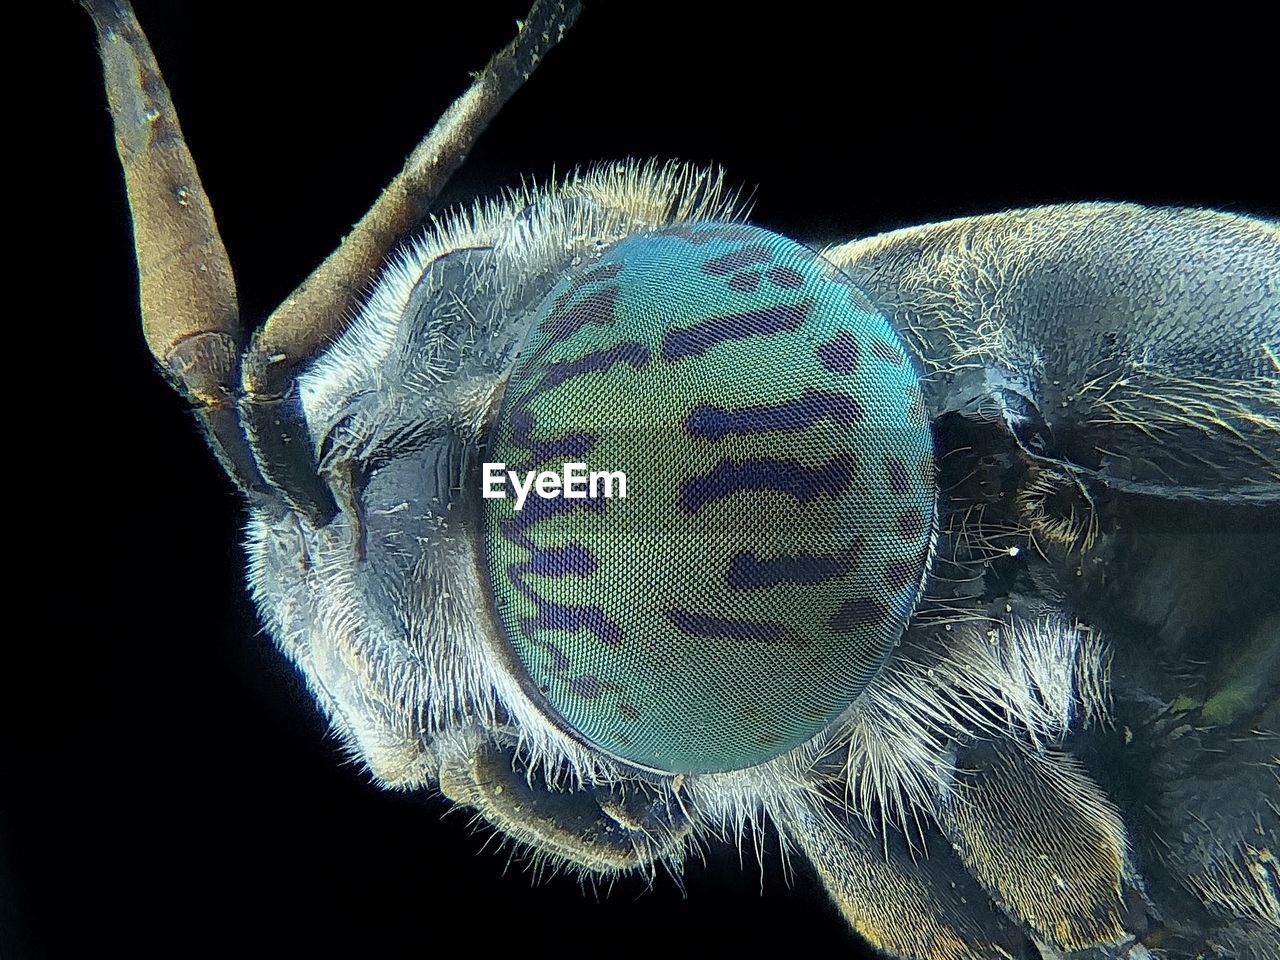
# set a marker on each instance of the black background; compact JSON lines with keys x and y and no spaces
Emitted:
{"x":189,"y":800}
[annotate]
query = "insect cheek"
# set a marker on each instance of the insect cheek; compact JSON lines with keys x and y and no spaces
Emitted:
{"x":779,"y":504}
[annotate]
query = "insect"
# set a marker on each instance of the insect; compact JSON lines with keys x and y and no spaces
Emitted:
{"x":1016,"y":520}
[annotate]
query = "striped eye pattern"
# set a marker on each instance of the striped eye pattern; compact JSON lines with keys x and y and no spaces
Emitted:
{"x":779,"y":508}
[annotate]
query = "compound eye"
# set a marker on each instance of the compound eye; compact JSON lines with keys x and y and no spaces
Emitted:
{"x":779,"y":506}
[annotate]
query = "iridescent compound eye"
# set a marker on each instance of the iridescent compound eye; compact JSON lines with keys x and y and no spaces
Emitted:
{"x":779,"y":502}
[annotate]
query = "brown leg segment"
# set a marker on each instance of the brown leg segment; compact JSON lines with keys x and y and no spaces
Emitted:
{"x":913,"y":900}
{"x":599,"y":829}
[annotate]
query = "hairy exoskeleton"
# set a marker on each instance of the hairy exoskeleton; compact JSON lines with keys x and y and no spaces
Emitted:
{"x":1072,"y":745}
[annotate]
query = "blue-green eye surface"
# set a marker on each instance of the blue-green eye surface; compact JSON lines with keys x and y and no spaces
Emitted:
{"x":779,"y":498}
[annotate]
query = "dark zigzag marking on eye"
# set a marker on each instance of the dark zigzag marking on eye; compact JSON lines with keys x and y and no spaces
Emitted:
{"x":564,"y":448}
{"x":559,"y":662}
{"x":792,"y":477}
{"x":515,"y":573}
{"x":556,"y":616}
{"x":571,"y":560}
{"x":737,"y":631}
{"x":587,"y":686}
{"x":605,"y":271}
{"x":521,"y":424}
{"x":840,"y":353}
{"x":592,"y":307}
{"x":698,"y":339}
{"x":514,"y":530}
{"x":749,"y":572}
{"x":565,"y":318}
{"x":568,"y":618}
{"x":787,"y":277}
{"x":515,"y":534}
{"x":900,"y":574}
{"x":630,"y":352}
{"x":571,"y":444}
{"x":859,"y":613}
{"x":910,"y":524}
{"x":567,"y":445}
{"x":897,"y":471}
{"x":736,"y":260}
{"x":715,"y":423}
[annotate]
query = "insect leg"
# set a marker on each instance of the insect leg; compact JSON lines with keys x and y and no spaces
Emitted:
{"x":1037,"y":832}
{"x":605,"y":830}
{"x":909,"y":902}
